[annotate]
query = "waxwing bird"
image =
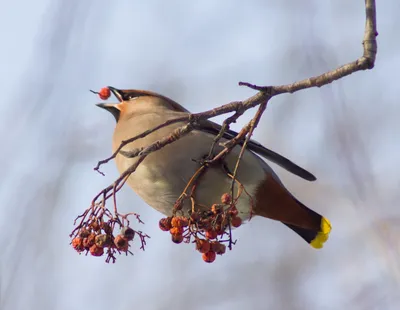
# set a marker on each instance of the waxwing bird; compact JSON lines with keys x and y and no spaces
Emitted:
{"x":161,"y":178}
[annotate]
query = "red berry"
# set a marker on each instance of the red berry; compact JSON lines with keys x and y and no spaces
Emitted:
{"x":203,"y":246}
{"x":218,"y":247}
{"x":209,"y":257}
{"x":226,"y":199}
{"x":177,"y":238}
{"x":233,"y":211}
{"x":236,"y":221}
{"x":176,"y":231}
{"x":211,"y":234}
{"x":195,"y":216}
{"x":104,"y":93}
{"x":96,"y":251}
{"x":121,"y":243}
{"x":165,"y":224}
{"x":184,"y":221}
{"x":128,"y":233}
{"x":215,"y":209}
{"x":77,"y":244}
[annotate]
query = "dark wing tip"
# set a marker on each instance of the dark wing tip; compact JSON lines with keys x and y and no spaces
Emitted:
{"x":281,"y":161}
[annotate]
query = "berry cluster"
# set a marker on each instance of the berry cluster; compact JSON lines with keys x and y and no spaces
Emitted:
{"x":95,"y":233}
{"x":97,"y":237}
{"x":210,"y":230}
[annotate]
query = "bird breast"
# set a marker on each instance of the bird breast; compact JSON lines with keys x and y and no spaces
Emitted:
{"x":162,"y":177}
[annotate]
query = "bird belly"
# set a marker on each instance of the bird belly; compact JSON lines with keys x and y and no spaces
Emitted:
{"x":162,"y":177}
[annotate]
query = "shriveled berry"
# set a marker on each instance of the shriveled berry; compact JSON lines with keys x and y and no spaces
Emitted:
{"x":176,"y":230}
{"x":95,"y":226}
{"x":128,"y":233}
{"x":104,"y":93}
{"x":211,"y":234}
{"x":233,"y":211}
{"x":84,"y":233}
{"x":209,"y":257}
{"x":96,"y":251}
{"x":218,"y":247}
{"x":121,"y":243}
{"x":195,"y":216}
{"x":176,"y":222}
{"x":215,"y":209}
{"x":226,"y":199}
{"x":102,"y":240}
{"x":177,"y":238}
{"x":77,"y":244}
{"x":165,"y":224}
{"x":183,"y":221}
{"x":89,"y":241}
{"x":204,"y":224}
{"x":202,"y":245}
{"x":106,"y":227}
{"x":236,"y":221}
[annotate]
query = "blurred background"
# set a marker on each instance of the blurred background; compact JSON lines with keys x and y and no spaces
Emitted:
{"x":52,"y":136}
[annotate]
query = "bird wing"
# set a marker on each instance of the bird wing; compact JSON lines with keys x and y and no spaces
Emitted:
{"x":254,"y":146}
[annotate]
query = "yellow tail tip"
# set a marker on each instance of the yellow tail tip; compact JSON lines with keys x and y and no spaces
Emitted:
{"x":322,"y":235}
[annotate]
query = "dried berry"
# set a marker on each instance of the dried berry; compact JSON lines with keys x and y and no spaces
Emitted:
{"x":203,"y":246}
{"x":89,"y":241}
{"x":209,"y":257}
{"x":121,"y":243}
{"x":176,"y":230}
{"x":195,"y":216}
{"x":84,"y":233}
{"x":211,"y":234}
{"x":233,"y":211}
{"x":226,"y":199}
{"x":176,"y":222}
{"x":236,"y":221}
{"x":165,"y":224}
{"x":177,"y":238}
{"x":96,"y":251}
{"x":204,"y":224}
{"x":128,"y":233}
{"x":77,"y":244}
{"x":106,"y":227}
{"x":102,"y":240}
{"x":183,"y":221}
{"x":95,"y":226}
{"x":216,"y":209}
{"x":218,"y":247}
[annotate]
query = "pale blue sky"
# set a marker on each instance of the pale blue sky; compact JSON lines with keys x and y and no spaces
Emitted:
{"x":53,"y":135}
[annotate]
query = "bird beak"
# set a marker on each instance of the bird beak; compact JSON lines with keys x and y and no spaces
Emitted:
{"x":119,"y":94}
{"x":112,"y":108}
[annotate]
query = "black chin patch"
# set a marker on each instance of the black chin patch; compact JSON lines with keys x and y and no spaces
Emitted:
{"x":112,"y":109}
{"x":115,"y":112}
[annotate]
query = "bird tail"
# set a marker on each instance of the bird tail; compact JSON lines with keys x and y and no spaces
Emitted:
{"x":315,"y":237}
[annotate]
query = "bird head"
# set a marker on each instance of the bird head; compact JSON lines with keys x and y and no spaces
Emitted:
{"x":133,"y":101}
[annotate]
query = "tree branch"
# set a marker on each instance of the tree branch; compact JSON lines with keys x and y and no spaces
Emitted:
{"x":263,"y":95}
